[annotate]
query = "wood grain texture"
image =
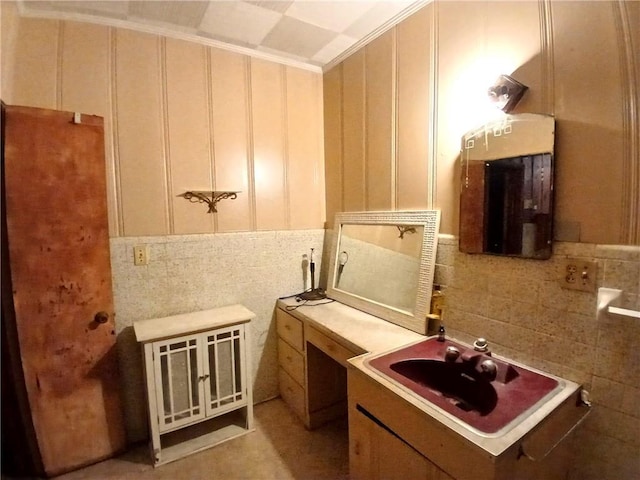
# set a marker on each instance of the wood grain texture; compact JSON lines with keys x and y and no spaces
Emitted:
{"x":61,"y":274}
{"x":267,"y":100}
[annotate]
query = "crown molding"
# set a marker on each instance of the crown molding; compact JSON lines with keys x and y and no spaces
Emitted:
{"x":392,"y":22}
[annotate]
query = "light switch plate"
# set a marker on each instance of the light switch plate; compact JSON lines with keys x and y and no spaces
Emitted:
{"x":579,"y":274}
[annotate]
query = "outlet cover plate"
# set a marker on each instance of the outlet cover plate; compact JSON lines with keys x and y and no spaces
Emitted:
{"x":140,"y":255}
{"x":579,"y":274}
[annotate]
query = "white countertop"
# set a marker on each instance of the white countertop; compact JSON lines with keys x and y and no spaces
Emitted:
{"x":165,"y":327}
{"x":356,"y":330}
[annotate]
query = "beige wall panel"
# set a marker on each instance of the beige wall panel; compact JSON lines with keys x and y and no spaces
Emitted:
{"x":85,"y":88}
{"x":139,"y":117}
{"x":10,"y":23}
{"x":461,"y":25}
{"x":332,"y":93}
{"x":380,"y":123}
{"x":353,"y":109}
{"x":414,"y":106}
{"x":589,"y":120}
{"x":84,"y":78}
{"x":35,"y":76}
{"x":477,"y":41}
{"x":229,"y":114}
{"x":305,"y":167}
{"x":513,"y":47}
{"x":268,"y":145}
{"x":189,"y":151}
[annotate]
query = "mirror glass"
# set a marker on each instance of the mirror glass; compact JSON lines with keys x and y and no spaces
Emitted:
{"x":506,"y":195}
{"x":383,"y":263}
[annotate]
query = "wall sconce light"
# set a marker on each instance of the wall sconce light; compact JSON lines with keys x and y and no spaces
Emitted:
{"x":506,"y":92}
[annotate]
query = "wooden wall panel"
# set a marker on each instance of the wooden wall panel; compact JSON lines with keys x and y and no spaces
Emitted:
{"x":84,"y":79}
{"x":85,"y":87}
{"x":353,"y":111}
{"x":460,"y":56}
{"x":36,"y":66}
{"x":414,"y":107}
{"x":139,"y":117}
{"x":229,"y":110}
{"x":267,"y":100}
{"x":333,"y":142}
{"x":513,"y":47}
{"x":588,"y":122}
{"x":178,"y":115}
{"x":305,"y":170}
{"x":188,"y":139}
{"x":9,"y":25}
{"x":380,"y":123}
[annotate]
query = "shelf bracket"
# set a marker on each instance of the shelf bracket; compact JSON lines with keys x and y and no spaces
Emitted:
{"x":211,"y":198}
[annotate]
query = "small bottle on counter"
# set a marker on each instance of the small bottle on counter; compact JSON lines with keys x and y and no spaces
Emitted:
{"x":441,"y":333}
{"x":434,"y":318}
{"x":437,"y":301}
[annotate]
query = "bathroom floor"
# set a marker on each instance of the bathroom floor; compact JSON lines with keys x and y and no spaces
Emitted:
{"x":279,"y":449}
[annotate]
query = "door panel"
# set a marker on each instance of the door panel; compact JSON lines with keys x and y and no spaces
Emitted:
{"x":58,"y":239}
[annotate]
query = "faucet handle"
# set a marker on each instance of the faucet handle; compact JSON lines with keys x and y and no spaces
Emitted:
{"x":481,"y":345}
{"x":489,"y":369}
{"x":451,"y":354}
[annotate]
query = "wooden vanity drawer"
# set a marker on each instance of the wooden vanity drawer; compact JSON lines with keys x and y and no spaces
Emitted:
{"x":290,"y":329}
{"x":292,"y":393}
{"x":329,"y":346}
{"x":291,"y":360}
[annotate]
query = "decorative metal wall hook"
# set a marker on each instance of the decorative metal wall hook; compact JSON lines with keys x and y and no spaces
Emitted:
{"x":211,"y":198}
{"x":404,"y":229}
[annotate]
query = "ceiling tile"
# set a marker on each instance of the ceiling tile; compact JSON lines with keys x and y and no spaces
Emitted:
{"x":279,"y":6}
{"x":239,"y":20}
{"x":297,"y":37}
{"x":325,"y":14}
{"x":184,"y":14}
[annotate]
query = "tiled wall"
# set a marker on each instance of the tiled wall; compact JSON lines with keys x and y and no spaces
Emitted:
{"x":197,"y":272}
{"x":519,"y":306}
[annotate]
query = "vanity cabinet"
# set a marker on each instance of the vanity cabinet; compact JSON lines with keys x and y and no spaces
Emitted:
{"x":311,"y":370}
{"x":389,"y":433}
{"x":197,"y":378}
{"x":377,"y":453}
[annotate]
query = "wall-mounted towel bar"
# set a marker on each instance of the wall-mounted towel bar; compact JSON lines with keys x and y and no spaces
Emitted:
{"x":609,"y":300}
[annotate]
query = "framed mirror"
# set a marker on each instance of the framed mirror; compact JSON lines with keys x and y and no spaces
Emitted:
{"x":506,"y":194}
{"x":383,"y":263}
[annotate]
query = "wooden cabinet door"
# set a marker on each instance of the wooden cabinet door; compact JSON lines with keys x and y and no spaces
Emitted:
{"x":375,"y":453}
{"x":57,"y":231}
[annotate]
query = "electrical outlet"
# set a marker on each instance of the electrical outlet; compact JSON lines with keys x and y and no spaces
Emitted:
{"x":579,"y":274}
{"x":140,"y":255}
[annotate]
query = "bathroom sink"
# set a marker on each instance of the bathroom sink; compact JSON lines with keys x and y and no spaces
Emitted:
{"x":487,"y":394}
{"x":463,"y":386}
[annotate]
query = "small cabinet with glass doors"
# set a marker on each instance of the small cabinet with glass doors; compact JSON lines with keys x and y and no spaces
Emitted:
{"x":198,"y":380}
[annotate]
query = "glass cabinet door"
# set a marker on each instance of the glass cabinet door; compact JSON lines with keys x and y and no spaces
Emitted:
{"x":225,"y":375}
{"x":180,"y":398}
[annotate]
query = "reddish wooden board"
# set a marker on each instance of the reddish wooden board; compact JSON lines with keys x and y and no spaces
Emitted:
{"x":61,"y":276}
